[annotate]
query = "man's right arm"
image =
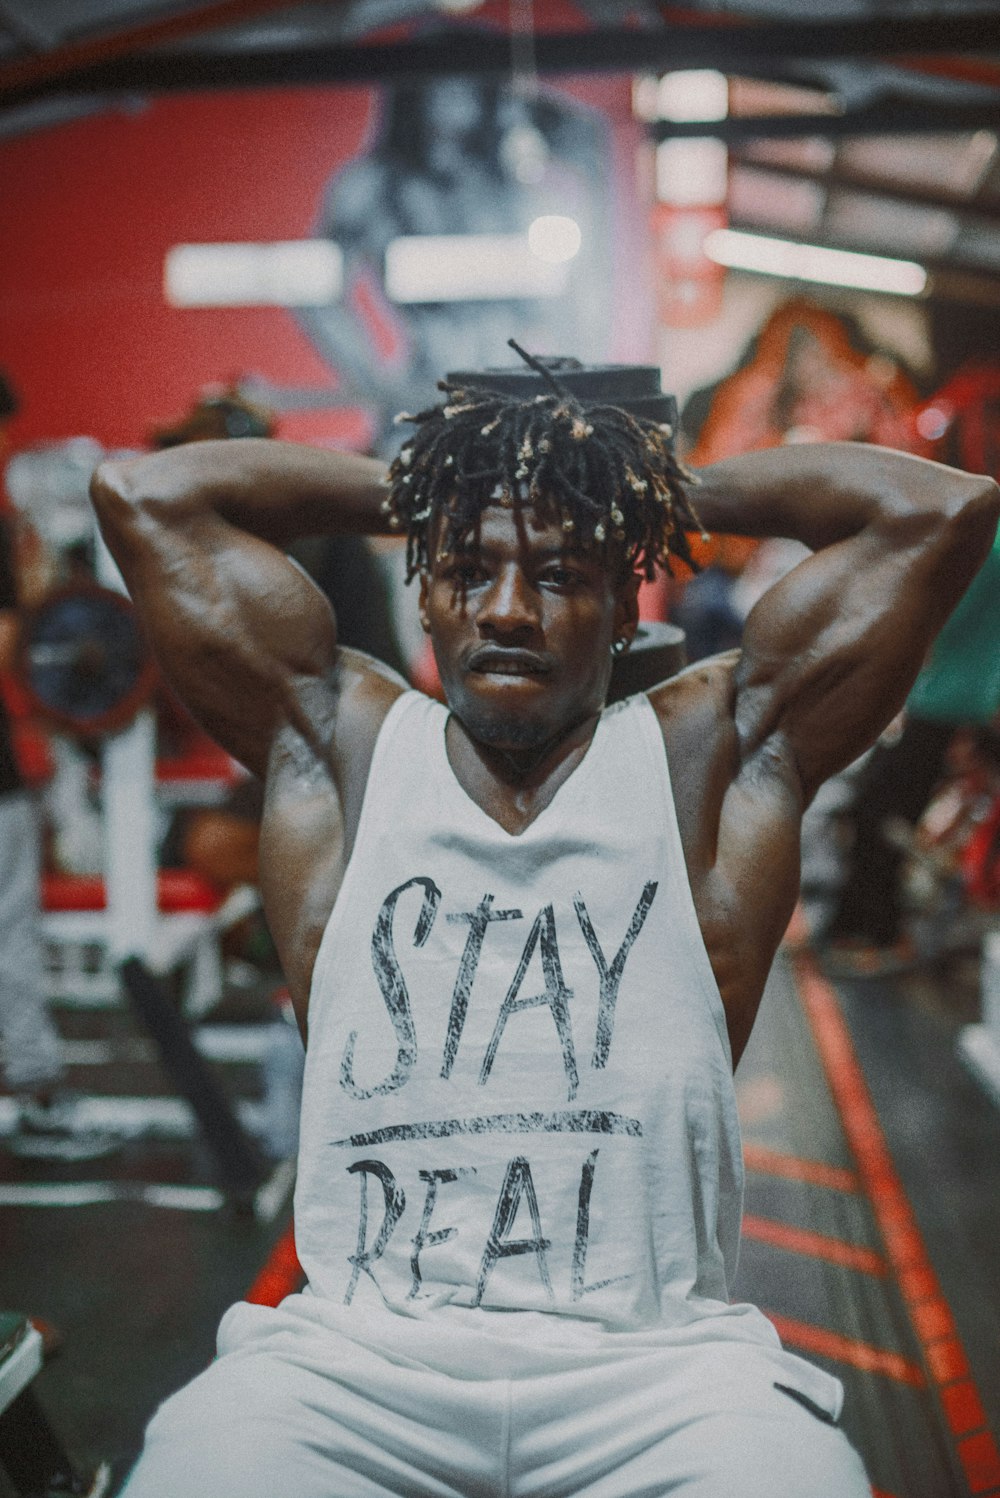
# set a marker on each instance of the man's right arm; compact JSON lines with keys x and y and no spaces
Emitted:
{"x":241,"y":633}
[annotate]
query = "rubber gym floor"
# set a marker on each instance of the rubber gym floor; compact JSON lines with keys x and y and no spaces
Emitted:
{"x":871,"y":1229}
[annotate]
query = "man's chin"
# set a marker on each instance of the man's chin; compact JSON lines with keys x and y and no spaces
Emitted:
{"x":499,"y":728}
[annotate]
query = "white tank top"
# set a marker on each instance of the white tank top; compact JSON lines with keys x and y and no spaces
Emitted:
{"x":518,"y":1092}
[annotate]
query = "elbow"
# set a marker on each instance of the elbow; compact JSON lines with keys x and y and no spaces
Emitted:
{"x":117,"y":504}
{"x":974,"y":513}
{"x":110,"y":491}
{"x":960,"y":515}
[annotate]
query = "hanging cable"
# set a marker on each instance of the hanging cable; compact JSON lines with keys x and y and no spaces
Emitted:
{"x":524,"y":66}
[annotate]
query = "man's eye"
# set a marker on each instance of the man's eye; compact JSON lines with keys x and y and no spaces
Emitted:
{"x":561,"y":577}
{"x":465,"y":573}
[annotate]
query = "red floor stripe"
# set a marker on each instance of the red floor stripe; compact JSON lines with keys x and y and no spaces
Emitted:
{"x":280,"y":1276}
{"x":929,"y":1312}
{"x":815,"y":1245}
{"x":825,"y":1343}
{"x":768,"y":1162}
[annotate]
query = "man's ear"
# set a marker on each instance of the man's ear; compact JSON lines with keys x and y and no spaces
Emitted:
{"x":424,"y":590}
{"x":627,"y":608}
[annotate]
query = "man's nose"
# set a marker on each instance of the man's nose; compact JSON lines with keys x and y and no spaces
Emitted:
{"x":510,"y":605}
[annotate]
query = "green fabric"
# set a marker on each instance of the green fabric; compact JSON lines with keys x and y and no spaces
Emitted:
{"x":961,"y":681}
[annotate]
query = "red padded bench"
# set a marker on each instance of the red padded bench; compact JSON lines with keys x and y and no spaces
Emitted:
{"x":179,"y":891}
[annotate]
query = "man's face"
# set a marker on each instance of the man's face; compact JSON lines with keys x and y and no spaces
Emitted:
{"x":522,"y":626}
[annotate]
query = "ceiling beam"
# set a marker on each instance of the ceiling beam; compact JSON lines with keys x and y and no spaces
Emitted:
{"x":888,"y":118}
{"x":837,"y":179}
{"x":467,"y":50}
{"x":30,"y":32}
{"x":59,"y":62}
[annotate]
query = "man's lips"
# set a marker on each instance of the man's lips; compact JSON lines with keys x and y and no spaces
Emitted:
{"x":496,"y":660}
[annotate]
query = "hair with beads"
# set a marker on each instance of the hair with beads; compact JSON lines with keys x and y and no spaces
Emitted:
{"x":609,"y":478}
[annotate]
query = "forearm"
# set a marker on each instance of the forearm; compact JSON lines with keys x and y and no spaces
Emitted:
{"x":278,"y":491}
{"x":828,"y":492}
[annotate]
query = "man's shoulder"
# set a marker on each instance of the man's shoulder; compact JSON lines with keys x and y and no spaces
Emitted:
{"x":696,"y":713}
{"x":707,"y":687}
{"x":336,"y":729}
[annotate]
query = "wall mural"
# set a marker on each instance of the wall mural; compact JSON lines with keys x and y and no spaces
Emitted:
{"x":95,"y":348}
{"x":461,"y":156}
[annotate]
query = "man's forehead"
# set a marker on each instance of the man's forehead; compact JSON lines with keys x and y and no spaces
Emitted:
{"x":521,"y":526}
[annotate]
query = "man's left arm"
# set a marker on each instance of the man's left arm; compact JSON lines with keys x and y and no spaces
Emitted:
{"x":831,"y":651}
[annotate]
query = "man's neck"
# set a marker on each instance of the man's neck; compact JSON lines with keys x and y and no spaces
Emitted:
{"x":511,"y":784}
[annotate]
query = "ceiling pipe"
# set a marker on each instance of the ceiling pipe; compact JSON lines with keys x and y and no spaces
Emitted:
{"x":51,"y":63}
{"x":474,"y":51}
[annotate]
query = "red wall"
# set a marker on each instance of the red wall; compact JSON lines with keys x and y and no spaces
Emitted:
{"x":91,"y":208}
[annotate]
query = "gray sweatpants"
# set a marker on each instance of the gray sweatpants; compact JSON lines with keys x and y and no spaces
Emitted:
{"x":29,"y":1042}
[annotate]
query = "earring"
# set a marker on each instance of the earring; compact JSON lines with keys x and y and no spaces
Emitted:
{"x":619,"y":647}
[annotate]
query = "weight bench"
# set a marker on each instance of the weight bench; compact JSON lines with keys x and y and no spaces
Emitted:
{"x":30,"y":1453}
{"x":76,"y":927}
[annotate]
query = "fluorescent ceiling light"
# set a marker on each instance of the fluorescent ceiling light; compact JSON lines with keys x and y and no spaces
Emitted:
{"x":554,"y":238}
{"x":690,"y":94}
{"x":809,"y":262}
{"x":468,"y":267}
{"x":692,"y":172}
{"x":693,"y":94}
{"x":295,"y":273}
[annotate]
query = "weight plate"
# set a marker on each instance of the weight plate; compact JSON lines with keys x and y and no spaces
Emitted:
{"x":84,"y":662}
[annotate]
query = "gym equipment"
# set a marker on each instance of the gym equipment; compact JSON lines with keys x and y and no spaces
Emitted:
{"x":84,"y":664}
{"x":657,"y":651}
{"x":87,"y":670}
{"x":241,"y":1165}
{"x":30,"y":1452}
{"x":633,"y":387}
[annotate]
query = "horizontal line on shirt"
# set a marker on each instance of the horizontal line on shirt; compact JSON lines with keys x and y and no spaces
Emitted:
{"x":573,"y":1121}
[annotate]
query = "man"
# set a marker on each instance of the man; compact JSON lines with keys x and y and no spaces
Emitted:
{"x":526,"y":954}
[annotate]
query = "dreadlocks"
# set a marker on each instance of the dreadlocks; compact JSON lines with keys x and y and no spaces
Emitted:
{"x":604,"y":475}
